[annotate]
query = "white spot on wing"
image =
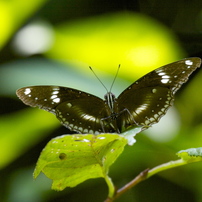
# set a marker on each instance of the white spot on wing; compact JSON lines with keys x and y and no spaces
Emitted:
{"x":165,"y":77}
{"x":88,"y":117}
{"x":80,"y":129}
{"x":53,"y":96}
{"x":27,"y":91}
{"x":154,"y":90}
{"x":90,"y":131}
{"x":140,"y":109}
{"x":152,"y":119}
{"x":55,"y":92}
{"x":147,"y":122}
{"x":161,"y":73}
{"x":164,"y":81}
{"x":188,"y":62}
{"x":69,"y":105}
{"x":56,"y":100}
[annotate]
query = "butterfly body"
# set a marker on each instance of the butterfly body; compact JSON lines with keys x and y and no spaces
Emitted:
{"x":143,"y":103}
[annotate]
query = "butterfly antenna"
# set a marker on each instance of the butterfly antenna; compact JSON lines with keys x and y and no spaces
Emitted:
{"x":115,"y":77}
{"x":98,"y":78}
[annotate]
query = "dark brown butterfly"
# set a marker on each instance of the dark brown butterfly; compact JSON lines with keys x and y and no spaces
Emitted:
{"x":141,"y":104}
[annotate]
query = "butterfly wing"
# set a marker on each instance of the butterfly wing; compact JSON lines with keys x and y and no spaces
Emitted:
{"x":77,"y":110}
{"x":147,"y":100}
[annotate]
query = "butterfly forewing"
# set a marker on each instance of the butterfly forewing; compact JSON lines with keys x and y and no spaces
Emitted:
{"x":148,"y":99}
{"x":45,"y":97}
{"x":77,"y":110}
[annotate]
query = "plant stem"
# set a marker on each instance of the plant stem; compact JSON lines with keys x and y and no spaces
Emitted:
{"x":143,"y":176}
{"x":110,"y":186}
{"x":165,"y":166}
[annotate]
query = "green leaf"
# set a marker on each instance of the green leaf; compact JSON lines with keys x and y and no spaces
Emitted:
{"x":187,"y":156}
{"x":191,"y":155}
{"x":71,"y":159}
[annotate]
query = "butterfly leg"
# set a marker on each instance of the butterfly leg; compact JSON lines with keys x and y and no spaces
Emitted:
{"x":131,"y":117}
{"x":102,"y":125}
{"x":111,"y":124}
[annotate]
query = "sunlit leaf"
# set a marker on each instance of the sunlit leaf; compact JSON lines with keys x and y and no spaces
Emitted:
{"x":71,"y":159}
{"x":187,"y":156}
{"x":191,"y":155}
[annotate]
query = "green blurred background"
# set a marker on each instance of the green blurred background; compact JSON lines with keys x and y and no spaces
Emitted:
{"x":52,"y":42}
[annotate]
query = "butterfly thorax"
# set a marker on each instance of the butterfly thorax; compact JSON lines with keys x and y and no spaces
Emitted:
{"x":111,"y":102}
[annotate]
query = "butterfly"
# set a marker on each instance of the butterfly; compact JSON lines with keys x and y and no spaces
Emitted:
{"x":142,"y":104}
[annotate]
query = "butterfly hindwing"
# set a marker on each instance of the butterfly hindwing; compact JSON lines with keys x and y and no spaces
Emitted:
{"x":85,"y":115}
{"x":145,"y":110}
